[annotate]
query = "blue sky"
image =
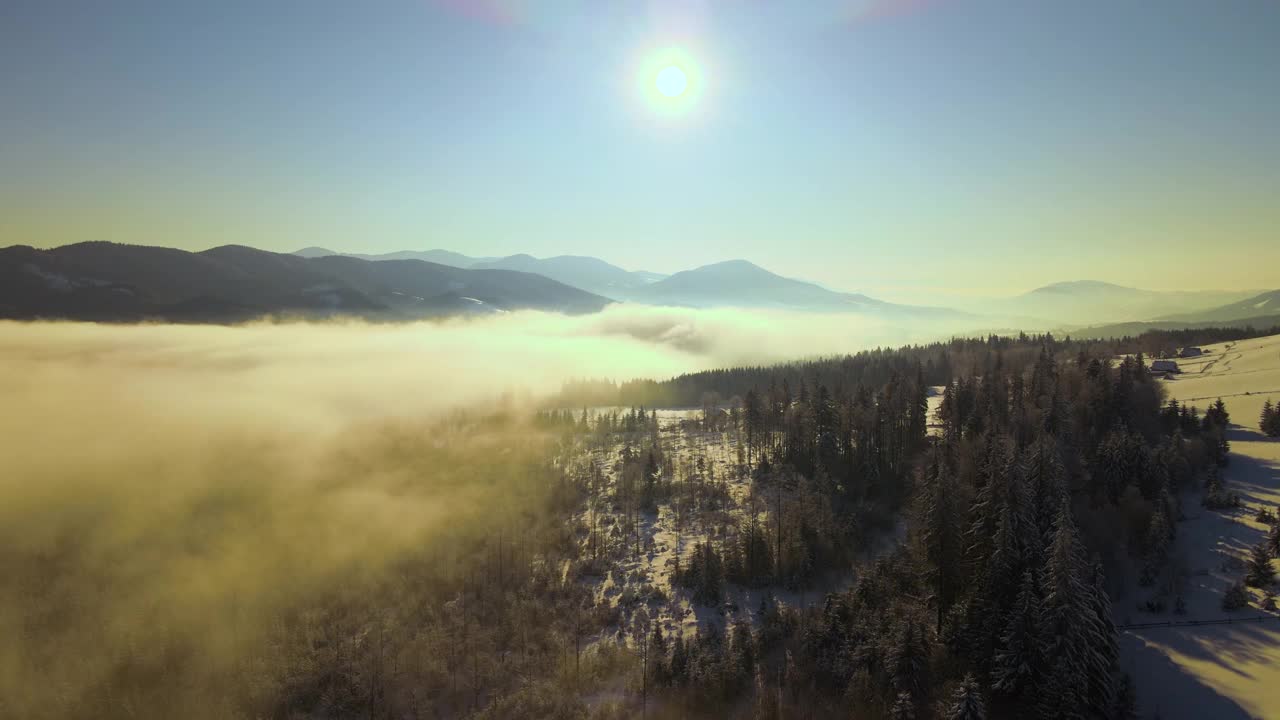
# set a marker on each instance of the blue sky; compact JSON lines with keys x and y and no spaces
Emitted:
{"x":904,"y":148}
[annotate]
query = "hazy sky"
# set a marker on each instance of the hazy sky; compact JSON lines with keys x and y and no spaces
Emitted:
{"x":889,"y":147}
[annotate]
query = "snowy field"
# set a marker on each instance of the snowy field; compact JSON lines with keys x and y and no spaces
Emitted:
{"x":1218,"y":671}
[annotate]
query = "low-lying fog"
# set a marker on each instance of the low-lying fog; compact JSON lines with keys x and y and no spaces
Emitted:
{"x":166,"y":491}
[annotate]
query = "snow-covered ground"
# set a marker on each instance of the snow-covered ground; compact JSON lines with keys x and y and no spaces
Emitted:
{"x":935,"y":401}
{"x":1218,"y":671}
{"x":664,"y":536}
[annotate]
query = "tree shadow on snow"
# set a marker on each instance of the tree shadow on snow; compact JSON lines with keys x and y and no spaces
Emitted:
{"x":1256,"y":480}
{"x":1167,"y":690}
{"x":1244,"y":434}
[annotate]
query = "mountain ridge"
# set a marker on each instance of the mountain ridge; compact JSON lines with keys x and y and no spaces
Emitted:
{"x":232,"y":283}
{"x":1264,"y":303}
{"x":741,"y":283}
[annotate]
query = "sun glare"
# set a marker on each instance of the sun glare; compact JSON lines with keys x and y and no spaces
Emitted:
{"x":670,"y":81}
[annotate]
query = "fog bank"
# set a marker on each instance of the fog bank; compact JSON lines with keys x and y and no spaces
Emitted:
{"x":170,"y":494}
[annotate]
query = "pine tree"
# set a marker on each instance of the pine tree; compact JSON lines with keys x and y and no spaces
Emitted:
{"x":679,"y":667}
{"x":1157,"y":541}
{"x":1016,"y":538}
{"x":941,"y":536}
{"x":742,"y":649}
{"x":1105,"y":648}
{"x":1270,"y":420}
{"x":1004,"y":488}
{"x":1046,"y":479}
{"x":1217,"y":414}
{"x":967,"y":703}
{"x":1260,"y":573}
{"x":1067,"y":623}
{"x":1017,"y":660}
{"x":1273,"y":540}
{"x":1235,"y":597}
{"x":904,"y":708}
{"x":659,"y":666}
{"x":1060,"y":695}
{"x":753,"y":420}
{"x":908,"y":659}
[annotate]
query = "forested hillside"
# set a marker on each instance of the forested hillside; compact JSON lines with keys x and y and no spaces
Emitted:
{"x":820,"y":550}
{"x":931,"y":532}
{"x":1052,"y":468}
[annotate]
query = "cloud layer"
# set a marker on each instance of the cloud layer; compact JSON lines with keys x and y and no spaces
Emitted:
{"x":169,"y":491}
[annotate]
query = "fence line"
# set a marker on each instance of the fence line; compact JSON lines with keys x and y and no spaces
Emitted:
{"x":1195,"y":623}
{"x":1227,"y":395}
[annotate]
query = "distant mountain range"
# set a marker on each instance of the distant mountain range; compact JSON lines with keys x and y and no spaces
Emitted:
{"x":734,"y":283}
{"x":111,"y":282}
{"x":440,"y":257}
{"x":106,"y":281}
{"x":1083,"y":302}
{"x":1267,"y":303}
{"x":739,"y":283}
{"x":1130,"y":329}
{"x":585,"y":273}
{"x":590,"y":274}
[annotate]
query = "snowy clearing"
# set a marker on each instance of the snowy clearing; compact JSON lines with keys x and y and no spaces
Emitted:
{"x":1218,"y":671}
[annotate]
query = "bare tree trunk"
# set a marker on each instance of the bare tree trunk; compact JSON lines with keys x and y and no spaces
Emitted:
{"x":644,"y":675}
{"x":778,"y":531}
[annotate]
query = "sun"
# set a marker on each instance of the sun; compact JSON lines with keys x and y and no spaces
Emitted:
{"x":671,"y":81}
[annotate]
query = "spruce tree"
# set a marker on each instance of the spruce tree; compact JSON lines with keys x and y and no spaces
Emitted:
{"x":908,"y":659}
{"x":967,"y":703}
{"x":1157,"y":542}
{"x":1270,"y":420}
{"x":659,"y":666}
{"x":941,"y":535}
{"x":1104,"y":646}
{"x":1217,"y":414}
{"x":742,"y":649}
{"x":1260,"y":573}
{"x":904,"y":708}
{"x":1060,"y":696}
{"x":1235,"y":597}
{"x":679,"y":667}
{"x":1017,"y":662}
{"x":1047,"y":481}
{"x":1067,"y":623}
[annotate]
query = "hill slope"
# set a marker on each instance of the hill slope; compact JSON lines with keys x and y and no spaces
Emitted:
{"x":587,"y":273}
{"x":738,"y":283}
{"x":1133,"y":329}
{"x":440,"y":257}
{"x":111,"y":282}
{"x":1083,"y":302}
{"x":1267,"y":303}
